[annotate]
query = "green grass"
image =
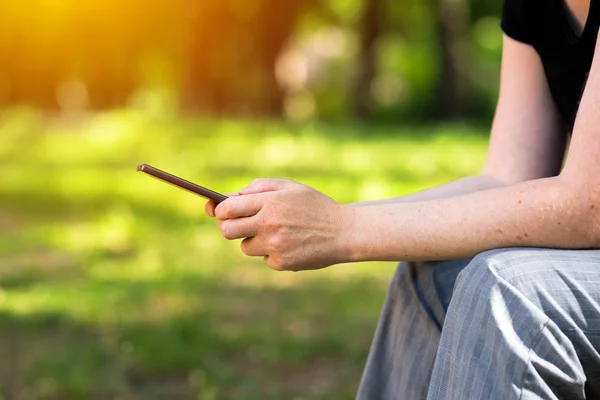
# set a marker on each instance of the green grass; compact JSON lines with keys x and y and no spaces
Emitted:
{"x":114,"y":285}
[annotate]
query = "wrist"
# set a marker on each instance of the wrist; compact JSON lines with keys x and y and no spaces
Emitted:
{"x":350,"y":238}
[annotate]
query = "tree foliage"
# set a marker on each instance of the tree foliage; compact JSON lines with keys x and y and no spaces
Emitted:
{"x":363,"y":58}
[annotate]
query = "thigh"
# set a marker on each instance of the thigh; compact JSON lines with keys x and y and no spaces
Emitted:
{"x":564,"y":285}
{"x":522,"y":323}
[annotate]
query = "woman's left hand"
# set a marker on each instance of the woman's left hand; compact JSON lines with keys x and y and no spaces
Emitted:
{"x":293,"y":226}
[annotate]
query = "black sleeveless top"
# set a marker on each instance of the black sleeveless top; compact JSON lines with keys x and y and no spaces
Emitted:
{"x":567,"y":57}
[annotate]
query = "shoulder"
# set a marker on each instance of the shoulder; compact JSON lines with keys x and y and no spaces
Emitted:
{"x":523,"y":20}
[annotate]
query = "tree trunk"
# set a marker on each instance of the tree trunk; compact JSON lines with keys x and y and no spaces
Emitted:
{"x":451,"y":91}
{"x":202,"y":90}
{"x":370,"y":29}
{"x":275,"y":24}
{"x":231,"y":60}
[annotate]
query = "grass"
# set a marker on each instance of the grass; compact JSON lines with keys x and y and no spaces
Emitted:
{"x":113,"y":285}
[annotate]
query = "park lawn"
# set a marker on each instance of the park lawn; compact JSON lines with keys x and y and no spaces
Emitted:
{"x":114,"y":285}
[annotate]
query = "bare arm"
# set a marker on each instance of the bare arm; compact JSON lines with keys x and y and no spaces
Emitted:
{"x":295,"y":227}
{"x":529,"y":210}
{"x":458,"y":187}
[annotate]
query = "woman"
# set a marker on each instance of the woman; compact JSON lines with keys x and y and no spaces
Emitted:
{"x":516,"y":313}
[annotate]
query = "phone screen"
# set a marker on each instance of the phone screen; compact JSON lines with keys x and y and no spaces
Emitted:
{"x":182,"y":183}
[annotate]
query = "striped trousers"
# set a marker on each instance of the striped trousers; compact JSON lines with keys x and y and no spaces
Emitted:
{"x":507,"y":324}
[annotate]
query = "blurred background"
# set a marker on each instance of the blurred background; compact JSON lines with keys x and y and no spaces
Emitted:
{"x":115,"y":286}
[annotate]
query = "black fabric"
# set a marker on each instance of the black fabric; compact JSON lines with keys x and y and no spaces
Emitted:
{"x":566,"y":56}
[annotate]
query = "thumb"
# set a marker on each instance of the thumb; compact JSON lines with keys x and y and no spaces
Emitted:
{"x":210,"y":206}
{"x":239,"y":207}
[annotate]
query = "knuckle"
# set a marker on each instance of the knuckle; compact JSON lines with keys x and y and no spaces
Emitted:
{"x":276,"y":243}
{"x":259,"y":182}
{"x":274,"y":263}
{"x":281,"y":183}
{"x":281,"y":263}
{"x":272,"y":224}
{"x":303,"y":189}
{"x":288,"y":183}
{"x":284,"y":264}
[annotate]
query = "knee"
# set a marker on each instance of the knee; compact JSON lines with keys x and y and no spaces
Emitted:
{"x":488,"y":272}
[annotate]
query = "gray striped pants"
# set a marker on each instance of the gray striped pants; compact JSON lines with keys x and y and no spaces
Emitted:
{"x":508,"y":324}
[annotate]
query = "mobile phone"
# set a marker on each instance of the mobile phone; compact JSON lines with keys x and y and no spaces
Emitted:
{"x":182,"y":183}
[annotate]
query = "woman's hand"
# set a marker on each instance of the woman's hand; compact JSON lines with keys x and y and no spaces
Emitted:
{"x":293,"y":226}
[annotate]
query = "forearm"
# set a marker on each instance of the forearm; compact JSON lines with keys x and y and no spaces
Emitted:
{"x":459,"y":187}
{"x":540,"y":213}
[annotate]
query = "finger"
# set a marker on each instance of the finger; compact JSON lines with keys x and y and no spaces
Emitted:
{"x":261,"y":185}
{"x":239,"y":228}
{"x":253,"y":246}
{"x":209,"y":208}
{"x":240,"y":206}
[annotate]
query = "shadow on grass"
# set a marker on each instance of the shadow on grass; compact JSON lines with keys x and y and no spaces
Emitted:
{"x":194,"y":337}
